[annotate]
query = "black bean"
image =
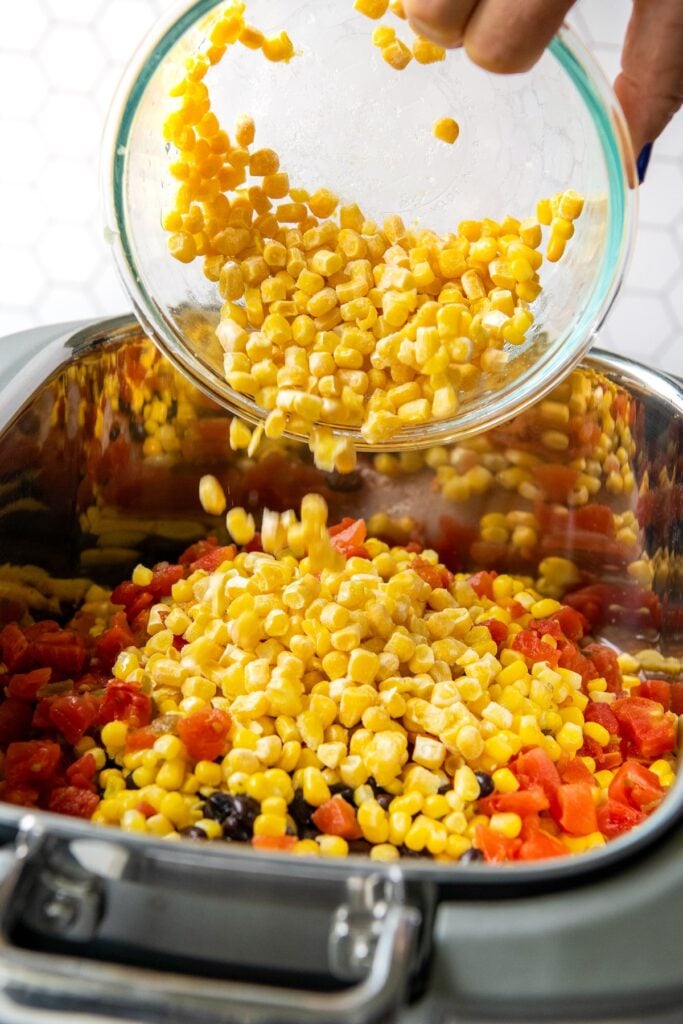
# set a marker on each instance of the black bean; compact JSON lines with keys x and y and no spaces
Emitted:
{"x":237,"y":813}
{"x":137,"y":430}
{"x":411,"y":854}
{"x":194,"y":833}
{"x":114,"y":432}
{"x":302,"y":813}
{"x":339,"y":789}
{"x":130,"y":784}
{"x":359,"y":846}
{"x":471,"y":856}
{"x":485,"y":781}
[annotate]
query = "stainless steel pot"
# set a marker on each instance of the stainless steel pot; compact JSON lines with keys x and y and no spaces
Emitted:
{"x":99,"y":925}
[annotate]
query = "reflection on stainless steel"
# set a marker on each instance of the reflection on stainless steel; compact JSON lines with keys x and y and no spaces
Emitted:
{"x":100,"y":468}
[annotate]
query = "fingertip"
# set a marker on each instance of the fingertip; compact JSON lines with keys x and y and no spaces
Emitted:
{"x":498,"y":60}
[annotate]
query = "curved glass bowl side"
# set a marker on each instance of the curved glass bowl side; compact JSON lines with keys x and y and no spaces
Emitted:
{"x":532,"y":380}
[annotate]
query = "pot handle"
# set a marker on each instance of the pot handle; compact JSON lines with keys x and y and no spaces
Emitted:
{"x":376,"y":951}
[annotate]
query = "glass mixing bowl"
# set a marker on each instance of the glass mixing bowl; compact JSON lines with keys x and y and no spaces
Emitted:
{"x":342,"y":119}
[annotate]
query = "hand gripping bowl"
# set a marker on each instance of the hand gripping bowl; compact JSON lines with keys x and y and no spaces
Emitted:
{"x":101,"y":925}
{"x":340,"y":118}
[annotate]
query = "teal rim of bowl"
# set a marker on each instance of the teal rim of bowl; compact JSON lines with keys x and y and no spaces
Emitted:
{"x":532,"y":385}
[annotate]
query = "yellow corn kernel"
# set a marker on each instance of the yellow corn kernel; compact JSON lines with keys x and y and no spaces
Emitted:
{"x":427,"y":52}
{"x":397,"y":55}
{"x":446,"y":128}
{"x":278,"y":48}
{"x":507,"y":824}
{"x":241,"y":526}
{"x":211,"y":496}
{"x":374,"y":9}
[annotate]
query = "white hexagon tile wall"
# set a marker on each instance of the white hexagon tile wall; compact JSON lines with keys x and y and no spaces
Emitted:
{"x":59,"y":64}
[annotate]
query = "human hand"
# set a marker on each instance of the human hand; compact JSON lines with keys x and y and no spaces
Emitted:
{"x":508,"y":36}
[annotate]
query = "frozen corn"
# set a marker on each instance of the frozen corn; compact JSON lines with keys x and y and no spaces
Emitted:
{"x":330,"y":319}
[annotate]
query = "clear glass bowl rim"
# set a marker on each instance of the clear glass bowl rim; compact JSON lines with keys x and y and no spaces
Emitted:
{"x":589,"y":80}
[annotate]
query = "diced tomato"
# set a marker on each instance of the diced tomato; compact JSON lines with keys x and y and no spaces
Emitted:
{"x":348,"y":537}
{"x":608,"y":757}
{"x":572,"y":658}
{"x":572,"y":623}
{"x":603,"y":715}
{"x":198,"y":550}
{"x":62,"y":650}
{"x":556,"y":480}
{"x":647,"y":730}
{"x":635,"y":785}
{"x":453,"y":541}
{"x":655,"y":689}
{"x":437,"y":576}
{"x":73,"y":715}
{"x":606,"y":665}
{"x":495,"y":846}
{"x":205,"y":733}
{"x":82,"y":772}
{"x":22,"y":796}
{"x":622,"y":604}
{"x":577,"y":808}
{"x":114,"y":640}
{"x":522,"y":802}
{"x":274,"y":843}
{"x":78,"y":803}
{"x":595,"y":519}
{"x":532,"y":647}
{"x":15,"y":720}
{"x":126,"y":593}
{"x":25,"y":686}
{"x":140,"y":739}
{"x":215,"y":558}
{"x":15,"y":648}
{"x":540,"y":845}
{"x":497,"y":629}
{"x":125,"y":702}
{"x":535,"y":768}
{"x":336,"y":817}
{"x":482,"y":583}
{"x":614,"y":818}
{"x":576,"y":771}
{"x":144,"y":808}
{"x":35,"y":761}
{"x":164,"y":577}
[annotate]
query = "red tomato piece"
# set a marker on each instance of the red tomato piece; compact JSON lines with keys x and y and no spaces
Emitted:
{"x":215,"y":558}
{"x":496,"y":847}
{"x":15,"y":720}
{"x":274,"y":843}
{"x":655,"y":689}
{"x":437,"y":576}
{"x":205,"y":733}
{"x":577,"y":808}
{"x":572,"y":658}
{"x":62,"y":650}
{"x":336,"y":817}
{"x":572,"y":623}
{"x":114,"y":640}
{"x":539,"y":846}
{"x":647,"y":729}
{"x":25,"y":686}
{"x":522,"y":802}
{"x":16,"y":653}
{"x":198,"y":550}
{"x":482,"y":583}
{"x":535,"y":768}
{"x":497,"y":629}
{"x":164,"y":577}
{"x":73,"y":715}
{"x":603,"y":715}
{"x":146,"y":809}
{"x":82,"y":772}
{"x":140,"y":739}
{"x":606,"y":665}
{"x":615,"y":818}
{"x":532,"y":647}
{"x":595,"y":519}
{"x":35,"y":761}
{"x":576,"y":771}
{"x":348,"y":537}
{"x":125,"y":702}
{"x":21,"y":796}
{"x":78,"y":803}
{"x":635,"y":785}
{"x":556,"y":480}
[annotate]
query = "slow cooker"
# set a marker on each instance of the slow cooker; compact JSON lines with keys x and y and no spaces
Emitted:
{"x":98,"y":925}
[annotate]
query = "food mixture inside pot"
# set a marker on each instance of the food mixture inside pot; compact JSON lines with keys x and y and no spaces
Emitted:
{"x":314,"y":689}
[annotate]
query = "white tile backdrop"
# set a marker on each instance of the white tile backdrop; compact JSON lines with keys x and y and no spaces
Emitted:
{"x":59,"y":63}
